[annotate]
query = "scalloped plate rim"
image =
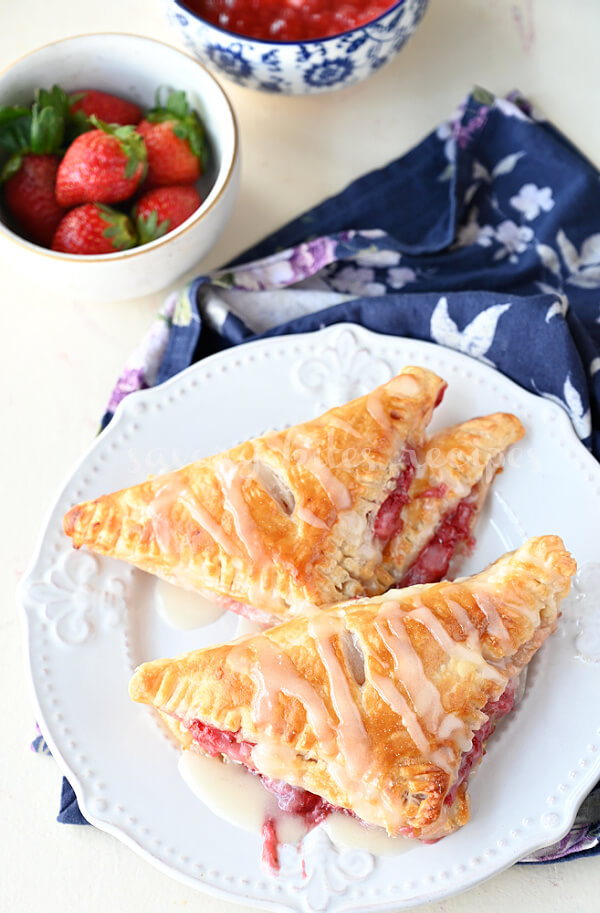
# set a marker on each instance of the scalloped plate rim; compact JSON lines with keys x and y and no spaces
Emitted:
{"x":577,"y":791}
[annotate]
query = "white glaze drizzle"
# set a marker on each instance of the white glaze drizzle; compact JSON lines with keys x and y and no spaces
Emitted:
{"x":352,"y":736}
{"x":304,"y":456}
{"x":469,"y":629}
{"x":184,"y":609}
{"x":303,"y":513}
{"x":495,"y":625}
{"x":462,"y":652}
{"x":404,"y":385}
{"x":232,"y":793}
{"x":378,"y":412}
{"x":274,"y":673}
{"x":391,"y":696}
{"x":422,"y":692}
{"x":350,"y":832}
{"x":160,"y":507}
{"x":231,"y":481}
{"x":342,"y":425}
{"x":204,"y":519}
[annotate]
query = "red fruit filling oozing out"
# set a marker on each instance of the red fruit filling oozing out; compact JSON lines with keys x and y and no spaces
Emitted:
{"x":494,"y":710}
{"x":312,"y":808}
{"x":292,"y":799}
{"x":433,"y":561}
{"x":388,"y":521}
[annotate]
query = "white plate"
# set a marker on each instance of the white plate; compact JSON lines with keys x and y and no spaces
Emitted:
{"x":90,"y":621}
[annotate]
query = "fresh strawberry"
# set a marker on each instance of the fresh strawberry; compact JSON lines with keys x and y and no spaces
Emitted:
{"x":175,"y":141}
{"x":163,"y":209}
{"x":30,"y":139}
{"x":105,"y":165}
{"x":29,"y":197}
{"x":94,"y":229}
{"x":38,"y":130}
{"x":109,"y":108}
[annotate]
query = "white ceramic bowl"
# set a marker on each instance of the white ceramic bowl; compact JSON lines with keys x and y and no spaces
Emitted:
{"x":134,"y":67}
{"x":298,"y":67}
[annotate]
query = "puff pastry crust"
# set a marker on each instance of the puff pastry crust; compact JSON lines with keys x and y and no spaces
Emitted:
{"x":281,"y":521}
{"x":339,"y":507}
{"x":375,"y":704}
{"x":456,"y":467}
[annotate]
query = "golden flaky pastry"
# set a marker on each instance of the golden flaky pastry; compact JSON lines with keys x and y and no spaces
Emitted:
{"x":313,"y":515}
{"x":379,"y":706}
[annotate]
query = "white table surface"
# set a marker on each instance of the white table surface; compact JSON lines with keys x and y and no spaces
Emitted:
{"x":59,"y":360}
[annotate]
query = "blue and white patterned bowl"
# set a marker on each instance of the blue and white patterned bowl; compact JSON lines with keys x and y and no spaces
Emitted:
{"x":298,"y":67}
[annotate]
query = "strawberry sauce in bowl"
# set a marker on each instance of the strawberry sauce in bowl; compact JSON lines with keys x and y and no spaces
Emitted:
{"x":294,"y":47}
{"x":289,"y":20}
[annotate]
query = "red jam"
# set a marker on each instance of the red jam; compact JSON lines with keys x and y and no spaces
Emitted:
{"x":388,"y":521}
{"x":270,"y":847}
{"x":433,"y":561}
{"x":293,"y":799}
{"x":494,"y":710}
{"x":289,"y":20}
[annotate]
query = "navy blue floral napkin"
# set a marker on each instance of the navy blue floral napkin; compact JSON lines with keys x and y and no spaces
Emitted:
{"x":485,"y":238}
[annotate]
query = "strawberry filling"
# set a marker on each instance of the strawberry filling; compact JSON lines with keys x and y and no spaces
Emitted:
{"x":434,"y":559}
{"x":388,"y":521}
{"x":494,"y":710}
{"x":313,"y":809}
{"x":291,"y":799}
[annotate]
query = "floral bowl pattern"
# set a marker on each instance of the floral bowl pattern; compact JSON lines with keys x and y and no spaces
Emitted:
{"x":298,"y":68}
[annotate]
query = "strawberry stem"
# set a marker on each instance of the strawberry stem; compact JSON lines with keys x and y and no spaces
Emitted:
{"x":132,"y":144}
{"x":120,"y":229}
{"x":186,"y":122}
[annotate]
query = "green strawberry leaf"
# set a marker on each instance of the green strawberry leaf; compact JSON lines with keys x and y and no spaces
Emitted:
{"x":119,"y":228}
{"x":192,"y":130}
{"x":186,"y":122}
{"x":47,"y":130}
{"x":56,"y":98}
{"x":11,"y":166}
{"x":149,"y":229}
{"x":49,"y":115}
{"x":15,"y":128}
{"x":177,"y":104}
{"x":132,"y":144}
{"x":77,"y":123}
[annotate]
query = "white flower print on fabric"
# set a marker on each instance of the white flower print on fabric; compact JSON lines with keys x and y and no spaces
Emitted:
{"x":514,"y":239}
{"x":509,"y":109}
{"x":369,"y":233}
{"x":531,"y":200}
{"x":507,"y":164}
{"x":400,"y":276}
{"x":358,"y":282}
{"x":445,"y":133}
{"x":559,"y":308}
{"x":583,"y":265}
{"x":572,"y":402}
{"x":374,"y":257}
{"x":477,"y":337}
{"x":474,"y":233}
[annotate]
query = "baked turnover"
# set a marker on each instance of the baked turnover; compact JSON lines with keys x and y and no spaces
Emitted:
{"x":343,"y":506}
{"x":379,"y":707}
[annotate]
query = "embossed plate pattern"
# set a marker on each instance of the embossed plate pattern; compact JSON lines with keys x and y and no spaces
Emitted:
{"x":90,"y":621}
